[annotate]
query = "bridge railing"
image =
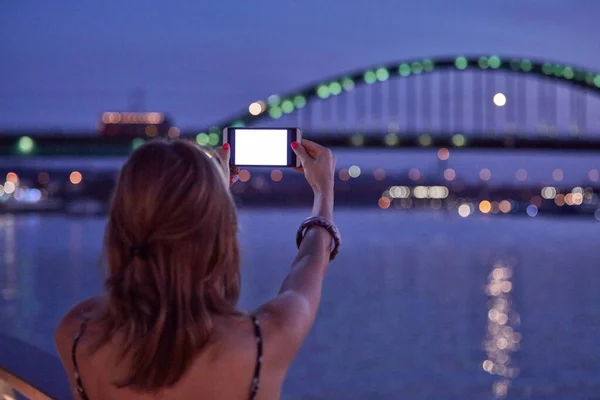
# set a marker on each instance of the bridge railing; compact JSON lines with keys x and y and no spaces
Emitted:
{"x":30,"y":372}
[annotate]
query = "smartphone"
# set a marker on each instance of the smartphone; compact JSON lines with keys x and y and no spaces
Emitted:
{"x":262,"y":147}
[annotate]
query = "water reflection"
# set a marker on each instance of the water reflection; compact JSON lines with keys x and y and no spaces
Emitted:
{"x":501,"y":338}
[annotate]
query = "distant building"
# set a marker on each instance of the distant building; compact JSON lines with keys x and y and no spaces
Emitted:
{"x":136,"y":124}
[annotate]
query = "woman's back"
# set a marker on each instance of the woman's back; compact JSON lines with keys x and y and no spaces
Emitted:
{"x":230,"y":367}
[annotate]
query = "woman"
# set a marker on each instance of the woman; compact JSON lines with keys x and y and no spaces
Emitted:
{"x":167,"y":326}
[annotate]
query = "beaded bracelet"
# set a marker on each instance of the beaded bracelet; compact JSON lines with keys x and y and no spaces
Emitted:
{"x":323,"y":223}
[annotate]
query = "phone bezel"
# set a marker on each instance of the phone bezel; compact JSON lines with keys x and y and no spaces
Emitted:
{"x":294,"y":134}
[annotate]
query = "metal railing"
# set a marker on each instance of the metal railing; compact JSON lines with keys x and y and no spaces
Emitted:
{"x":10,"y":383}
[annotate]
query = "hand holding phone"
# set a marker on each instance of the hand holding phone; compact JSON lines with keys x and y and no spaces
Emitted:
{"x":262,"y":147}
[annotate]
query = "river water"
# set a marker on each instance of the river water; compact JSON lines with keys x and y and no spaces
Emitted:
{"x":418,"y":305}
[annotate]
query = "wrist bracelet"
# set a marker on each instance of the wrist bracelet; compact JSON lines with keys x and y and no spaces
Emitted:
{"x":323,"y":223}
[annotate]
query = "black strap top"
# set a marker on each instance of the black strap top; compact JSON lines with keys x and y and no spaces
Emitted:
{"x":255,"y":378}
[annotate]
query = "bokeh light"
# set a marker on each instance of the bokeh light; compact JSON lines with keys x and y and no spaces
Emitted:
{"x":485,"y":206}
{"x":485,"y":174}
{"x":276,"y":175}
{"x":521,"y":174}
{"x":449,"y":174}
{"x":244,"y":175}
{"x":443,"y":154}
{"x":500,"y":99}
{"x":354,"y":171}
{"x":75,"y":177}
{"x":414,"y":174}
{"x":557,"y":175}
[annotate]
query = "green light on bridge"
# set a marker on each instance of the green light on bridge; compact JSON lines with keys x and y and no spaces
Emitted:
{"x":25,"y":145}
{"x":213,"y":139}
{"x":238,"y":124}
{"x":273,"y":100}
{"x":416,"y":68}
{"x":137,"y":142}
{"x":323,"y":91}
{"x":547,"y":69}
{"x":428,"y":65}
{"x":370,"y":77}
{"x":382,"y":74}
{"x":558,"y":70}
{"x":425,"y":140}
{"x":589,"y":78}
{"x":495,"y":62}
{"x":287,"y":106}
{"x":348,"y":84}
{"x":201,"y":139}
{"x":335,"y":88}
{"x":459,"y":140}
{"x":526,"y":65}
{"x":568,"y":73}
{"x":404,"y":70}
{"x":357,"y":140}
{"x":275,"y":112}
{"x":391,"y":139}
{"x":300,"y":101}
{"x":483,"y":62}
{"x":461,"y":63}
{"x":597,"y":81}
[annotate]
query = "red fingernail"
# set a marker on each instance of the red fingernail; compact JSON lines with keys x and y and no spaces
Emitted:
{"x":226,"y":146}
{"x":294,"y":145}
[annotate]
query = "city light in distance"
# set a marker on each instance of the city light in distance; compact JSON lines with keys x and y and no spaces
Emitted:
{"x":521,"y":174}
{"x":257,"y":108}
{"x":276,"y":175}
{"x":354,"y":171}
{"x":557,"y":175}
{"x":464,"y":210}
{"x":485,"y":206}
{"x":443,"y":154}
{"x":500,"y":99}
{"x":75,"y":177}
{"x":343,"y":174}
{"x":12,"y":177}
{"x":485,"y":174}
{"x":449,"y":174}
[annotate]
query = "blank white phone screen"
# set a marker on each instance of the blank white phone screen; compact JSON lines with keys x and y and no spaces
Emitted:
{"x":261,"y":146}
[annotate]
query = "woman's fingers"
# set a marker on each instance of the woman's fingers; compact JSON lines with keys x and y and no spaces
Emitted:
{"x":312,"y":148}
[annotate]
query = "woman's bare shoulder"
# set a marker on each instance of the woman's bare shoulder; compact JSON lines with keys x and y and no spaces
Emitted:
{"x":71,"y":322}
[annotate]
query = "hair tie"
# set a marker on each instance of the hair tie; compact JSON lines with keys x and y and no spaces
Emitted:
{"x":139,"y":250}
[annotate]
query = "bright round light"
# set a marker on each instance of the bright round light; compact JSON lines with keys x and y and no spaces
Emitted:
{"x":75,"y":177}
{"x":485,"y":206}
{"x":500,"y":99}
{"x":464,"y":210}
{"x":256,"y":108}
{"x":9,"y":187}
{"x":532,"y":210}
{"x":354,"y":171}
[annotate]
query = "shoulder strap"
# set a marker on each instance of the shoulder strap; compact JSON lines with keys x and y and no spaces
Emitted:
{"x":259,"y":357}
{"x":78,"y":383}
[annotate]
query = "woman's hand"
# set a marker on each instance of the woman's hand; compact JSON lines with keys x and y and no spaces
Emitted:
{"x":318,"y":166}
{"x":223,"y":154}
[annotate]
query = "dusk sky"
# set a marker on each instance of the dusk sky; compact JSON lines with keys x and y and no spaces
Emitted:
{"x":64,"y":62}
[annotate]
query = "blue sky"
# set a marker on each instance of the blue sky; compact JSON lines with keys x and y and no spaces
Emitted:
{"x":62,"y":63}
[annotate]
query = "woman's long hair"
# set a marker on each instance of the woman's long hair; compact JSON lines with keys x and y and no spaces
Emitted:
{"x":172,"y":261}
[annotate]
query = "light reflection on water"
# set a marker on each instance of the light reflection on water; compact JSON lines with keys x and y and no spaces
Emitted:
{"x":418,"y":305}
{"x":502,"y":339}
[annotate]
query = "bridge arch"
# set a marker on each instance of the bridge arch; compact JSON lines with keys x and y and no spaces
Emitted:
{"x":278,"y":105}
